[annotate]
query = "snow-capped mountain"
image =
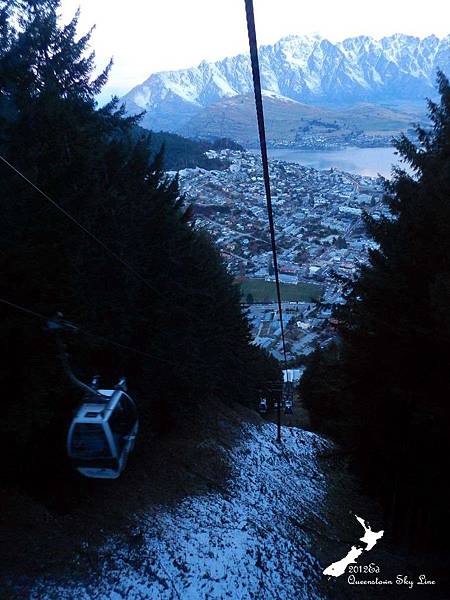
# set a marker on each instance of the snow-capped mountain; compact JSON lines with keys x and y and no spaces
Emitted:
{"x":300,"y":68}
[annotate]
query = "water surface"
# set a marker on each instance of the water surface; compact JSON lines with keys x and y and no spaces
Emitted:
{"x":364,"y":161}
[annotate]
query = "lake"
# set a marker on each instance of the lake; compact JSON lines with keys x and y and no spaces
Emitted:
{"x":364,"y":161}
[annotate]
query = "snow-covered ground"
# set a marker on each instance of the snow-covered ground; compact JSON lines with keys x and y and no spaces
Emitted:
{"x":244,"y":542}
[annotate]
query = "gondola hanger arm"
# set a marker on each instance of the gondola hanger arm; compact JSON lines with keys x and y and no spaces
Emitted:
{"x":55,"y":325}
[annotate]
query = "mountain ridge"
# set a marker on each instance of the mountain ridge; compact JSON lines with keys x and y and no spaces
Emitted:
{"x":307,"y":69}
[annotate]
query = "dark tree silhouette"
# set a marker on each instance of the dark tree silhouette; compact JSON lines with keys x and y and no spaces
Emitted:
{"x":183,"y":309}
{"x":384,"y":390}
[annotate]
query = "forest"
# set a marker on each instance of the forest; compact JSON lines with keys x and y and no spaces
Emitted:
{"x":94,"y":229}
{"x":382,"y":389}
{"x":184,"y":153}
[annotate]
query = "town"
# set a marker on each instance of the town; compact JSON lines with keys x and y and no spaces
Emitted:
{"x":320,"y":236}
{"x":322,"y":141}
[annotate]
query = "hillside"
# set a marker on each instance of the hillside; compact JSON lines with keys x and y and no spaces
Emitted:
{"x":183,"y":153}
{"x":229,"y":514}
{"x":214,"y":513}
{"x":288,"y":120}
{"x":235,"y":542}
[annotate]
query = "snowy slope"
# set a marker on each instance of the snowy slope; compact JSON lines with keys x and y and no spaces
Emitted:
{"x":303,"y":69}
{"x":246,"y":542}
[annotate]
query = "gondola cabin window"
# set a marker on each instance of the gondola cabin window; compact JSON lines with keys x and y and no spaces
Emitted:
{"x":90,"y":442}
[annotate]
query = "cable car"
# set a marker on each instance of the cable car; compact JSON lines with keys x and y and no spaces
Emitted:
{"x":263,"y":406}
{"x":103,"y":433}
{"x":288,"y":408}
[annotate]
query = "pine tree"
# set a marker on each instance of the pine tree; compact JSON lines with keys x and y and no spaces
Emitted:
{"x":182,"y":310}
{"x":389,"y":383}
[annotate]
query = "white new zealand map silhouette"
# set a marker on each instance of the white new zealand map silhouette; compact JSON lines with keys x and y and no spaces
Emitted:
{"x":370,"y":538}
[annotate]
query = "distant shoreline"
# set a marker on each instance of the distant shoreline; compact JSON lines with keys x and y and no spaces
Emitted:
{"x":370,"y":162}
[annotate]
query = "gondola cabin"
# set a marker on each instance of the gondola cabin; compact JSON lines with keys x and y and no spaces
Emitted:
{"x":102,"y":434}
{"x":288,"y":408}
{"x":263,"y":407}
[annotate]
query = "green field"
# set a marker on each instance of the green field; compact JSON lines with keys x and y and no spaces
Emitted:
{"x":265,"y":291}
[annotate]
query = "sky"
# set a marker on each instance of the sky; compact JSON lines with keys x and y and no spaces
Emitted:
{"x":147,"y":36}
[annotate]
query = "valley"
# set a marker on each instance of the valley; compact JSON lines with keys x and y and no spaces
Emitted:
{"x":320,"y":233}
